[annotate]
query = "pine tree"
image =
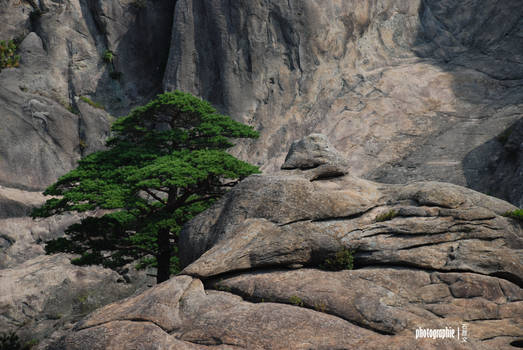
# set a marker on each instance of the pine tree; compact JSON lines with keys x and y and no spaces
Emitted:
{"x":165,"y":163}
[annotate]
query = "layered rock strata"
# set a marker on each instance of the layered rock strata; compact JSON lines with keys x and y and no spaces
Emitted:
{"x":426,"y":255}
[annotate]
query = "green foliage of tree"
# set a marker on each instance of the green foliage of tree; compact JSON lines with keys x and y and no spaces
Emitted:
{"x":11,"y":341}
{"x":165,"y":163}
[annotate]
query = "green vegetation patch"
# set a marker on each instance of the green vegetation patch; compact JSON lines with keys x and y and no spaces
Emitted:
{"x":296,"y":300}
{"x":8,"y":56}
{"x":387,"y":216}
{"x":342,"y":260}
{"x":91,"y":102}
{"x":320,"y":306}
{"x":108,"y":56}
{"x":516,"y":214}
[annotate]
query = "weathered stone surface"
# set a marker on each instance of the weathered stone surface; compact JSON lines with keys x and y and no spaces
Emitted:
{"x":312,"y":151}
{"x":156,"y":305}
{"x":61,"y":51}
{"x":284,"y":220}
{"x":275,"y":201}
{"x":428,"y":255}
{"x":48,"y":293}
{"x":23,"y":238}
{"x":16,"y":203}
{"x":122,"y":335}
{"x":298,"y":313}
{"x":392,"y":300}
{"x":405,"y":90}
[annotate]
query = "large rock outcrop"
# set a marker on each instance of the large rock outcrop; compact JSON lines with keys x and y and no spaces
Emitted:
{"x":406,"y":90}
{"x":427,"y":255}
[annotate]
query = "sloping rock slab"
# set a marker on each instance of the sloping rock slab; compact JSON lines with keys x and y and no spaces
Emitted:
{"x":393,"y":300}
{"x":221,"y":320}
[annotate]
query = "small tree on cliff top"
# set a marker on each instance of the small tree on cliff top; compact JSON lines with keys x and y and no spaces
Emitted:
{"x":165,"y":163}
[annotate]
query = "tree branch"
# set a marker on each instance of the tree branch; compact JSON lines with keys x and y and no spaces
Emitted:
{"x":154,"y":196}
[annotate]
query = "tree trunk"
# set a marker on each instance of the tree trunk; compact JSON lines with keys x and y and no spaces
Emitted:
{"x":164,"y":256}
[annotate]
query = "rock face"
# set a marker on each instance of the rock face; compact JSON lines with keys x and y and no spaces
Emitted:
{"x":406,"y":90}
{"x":47,"y":293}
{"x":410,"y":90}
{"x":504,"y":171}
{"x":427,"y":255}
{"x":45,"y":126}
{"x":16,"y":203}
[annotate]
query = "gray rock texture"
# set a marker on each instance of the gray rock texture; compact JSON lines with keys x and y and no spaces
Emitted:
{"x":46,"y":128}
{"x":502,"y":176}
{"x":259,"y":272}
{"x":406,"y":90}
{"x":47,"y":293}
{"x":16,"y":203}
{"x":310,"y":152}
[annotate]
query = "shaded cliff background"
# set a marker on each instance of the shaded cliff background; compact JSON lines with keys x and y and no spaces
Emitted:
{"x":406,"y":90}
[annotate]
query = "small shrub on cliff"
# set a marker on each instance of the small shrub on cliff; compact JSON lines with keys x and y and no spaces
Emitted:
{"x":91,"y":102}
{"x":516,"y":214}
{"x":8,"y":56}
{"x":320,"y":306}
{"x":296,"y":300}
{"x":108,"y":56}
{"x":342,"y":260}
{"x":165,"y":163}
{"x":391,"y":214}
